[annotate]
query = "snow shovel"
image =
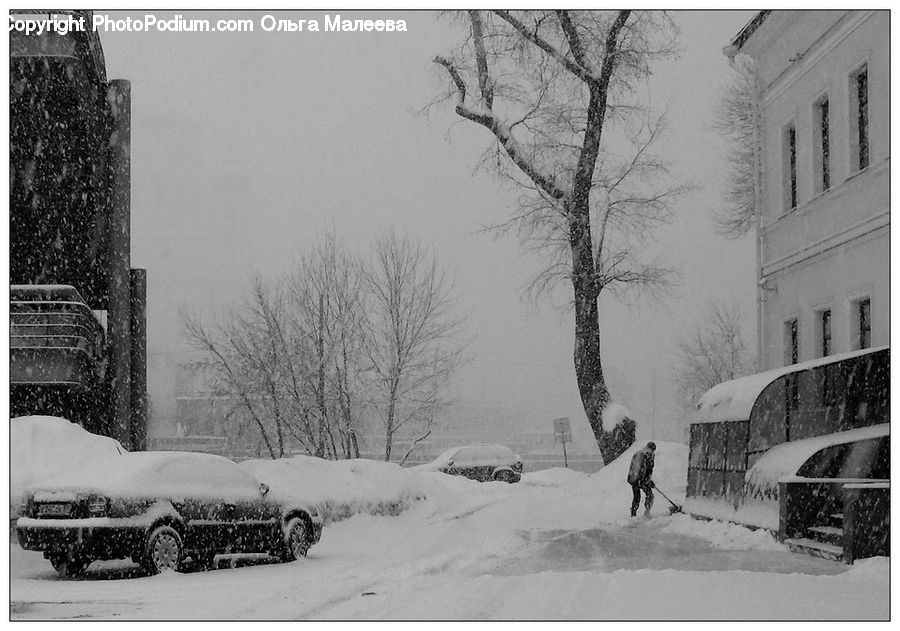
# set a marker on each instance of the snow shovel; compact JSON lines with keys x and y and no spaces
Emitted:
{"x":674,"y":508}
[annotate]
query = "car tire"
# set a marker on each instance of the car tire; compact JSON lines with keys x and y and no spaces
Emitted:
{"x":68,"y":565}
{"x":163,"y":551}
{"x":505,"y":476}
{"x":296,"y":540}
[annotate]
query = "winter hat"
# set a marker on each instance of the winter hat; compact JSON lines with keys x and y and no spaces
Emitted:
{"x":651,"y":445}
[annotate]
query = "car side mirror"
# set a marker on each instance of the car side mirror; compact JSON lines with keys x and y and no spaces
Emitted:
{"x":263,"y":488}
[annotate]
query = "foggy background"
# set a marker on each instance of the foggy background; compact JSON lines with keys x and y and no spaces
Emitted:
{"x":248,"y":147}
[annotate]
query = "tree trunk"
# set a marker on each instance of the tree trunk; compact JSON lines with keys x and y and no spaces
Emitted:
{"x":388,"y":443}
{"x":588,"y":367}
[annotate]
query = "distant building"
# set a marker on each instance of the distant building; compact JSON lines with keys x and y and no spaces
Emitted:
{"x":823,"y":89}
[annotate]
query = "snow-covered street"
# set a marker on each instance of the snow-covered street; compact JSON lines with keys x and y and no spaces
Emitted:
{"x":556,"y":546}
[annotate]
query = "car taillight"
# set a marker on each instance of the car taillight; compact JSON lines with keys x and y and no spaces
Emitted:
{"x":27,"y":508}
{"x":97,"y":506}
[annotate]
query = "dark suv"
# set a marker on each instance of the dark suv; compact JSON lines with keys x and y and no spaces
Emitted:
{"x":158,"y":508}
{"x":479,"y":462}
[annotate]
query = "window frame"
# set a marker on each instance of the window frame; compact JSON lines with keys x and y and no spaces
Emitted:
{"x":822,"y":143}
{"x":791,"y":341}
{"x":789,"y":166}
{"x":863,"y":326}
{"x":860,"y":119}
{"x":826,"y":334}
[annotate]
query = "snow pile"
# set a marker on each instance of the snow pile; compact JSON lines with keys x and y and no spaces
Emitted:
{"x":723,"y":535}
{"x":339,"y":489}
{"x":557,"y":476}
{"x":613,"y":414}
{"x":44,"y":447}
{"x":754,"y":512}
{"x":669,"y":471}
{"x":869,"y":569}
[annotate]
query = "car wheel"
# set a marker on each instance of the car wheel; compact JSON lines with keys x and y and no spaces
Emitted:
{"x":163,"y":550}
{"x":69,"y":564}
{"x":296,"y":540}
{"x":506,"y":476}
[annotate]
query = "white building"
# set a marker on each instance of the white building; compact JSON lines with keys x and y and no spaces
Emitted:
{"x":823,"y":90}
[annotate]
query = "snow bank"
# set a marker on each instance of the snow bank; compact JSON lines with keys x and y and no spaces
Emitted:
{"x":753,"y":512}
{"x":669,"y":471}
{"x":557,"y":476}
{"x":339,"y":489}
{"x":723,"y":535}
{"x":613,"y":414}
{"x":44,"y":447}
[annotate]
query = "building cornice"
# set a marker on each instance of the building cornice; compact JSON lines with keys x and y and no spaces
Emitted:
{"x":860,"y":230}
{"x":808,"y":58}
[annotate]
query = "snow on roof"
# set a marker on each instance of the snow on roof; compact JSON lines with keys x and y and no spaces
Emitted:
{"x":786,"y":459}
{"x":613,"y":414}
{"x":733,"y":400}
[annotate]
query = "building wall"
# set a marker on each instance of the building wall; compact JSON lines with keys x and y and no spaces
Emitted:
{"x":832,"y":249}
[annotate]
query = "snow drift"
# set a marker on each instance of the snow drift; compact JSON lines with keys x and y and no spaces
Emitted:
{"x":341,"y":488}
{"x":44,"y":447}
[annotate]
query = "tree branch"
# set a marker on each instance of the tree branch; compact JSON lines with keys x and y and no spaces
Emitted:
{"x":502,"y":132}
{"x":572,"y":37}
{"x":547,"y":47}
{"x":484,"y":79}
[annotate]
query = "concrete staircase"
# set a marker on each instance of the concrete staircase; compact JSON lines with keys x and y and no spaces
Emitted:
{"x":822,"y":540}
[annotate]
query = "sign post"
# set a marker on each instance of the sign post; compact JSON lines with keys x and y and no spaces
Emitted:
{"x":562,"y":432}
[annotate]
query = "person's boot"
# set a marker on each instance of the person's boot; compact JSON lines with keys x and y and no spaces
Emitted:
{"x":646,"y":512}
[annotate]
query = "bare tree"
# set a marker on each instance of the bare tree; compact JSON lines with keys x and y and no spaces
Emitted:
{"x":241,"y":359}
{"x":736,"y":119}
{"x":715,"y":353}
{"x":328,"y":305}
{"x":558,"y":91}
{"x":307,"y":356}
{"x":411,"y":345}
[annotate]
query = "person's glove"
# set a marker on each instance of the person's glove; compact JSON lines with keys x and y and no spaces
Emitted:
{"x":651,"y":484}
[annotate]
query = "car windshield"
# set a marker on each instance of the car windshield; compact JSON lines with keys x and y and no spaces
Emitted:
{"x":445,"y":458}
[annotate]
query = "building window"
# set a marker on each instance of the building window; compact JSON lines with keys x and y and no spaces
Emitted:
{"x":823,"y":147}
{"x":826,"y":332}
{"x":859,"y":89}
{"x":791,"y":341}
{"x":864,"y":309}
{"x":789,"y":159}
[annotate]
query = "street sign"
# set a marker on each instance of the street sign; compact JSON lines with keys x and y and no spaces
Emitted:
{"x":562,"y":431}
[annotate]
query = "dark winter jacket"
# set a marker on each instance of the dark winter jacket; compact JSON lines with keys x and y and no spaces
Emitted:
{"x":641,"y":466}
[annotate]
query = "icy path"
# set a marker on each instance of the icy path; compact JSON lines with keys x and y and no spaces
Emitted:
{"x":488,"y":551}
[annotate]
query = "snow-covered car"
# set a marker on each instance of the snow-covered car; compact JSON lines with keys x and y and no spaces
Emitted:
{"x":160,"y":508}
{"x":479,"y":462}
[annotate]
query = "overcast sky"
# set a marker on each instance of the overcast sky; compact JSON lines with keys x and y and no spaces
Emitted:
{"x":247,"y":147}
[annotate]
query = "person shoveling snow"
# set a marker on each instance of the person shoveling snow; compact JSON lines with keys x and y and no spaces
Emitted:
{"x":639,"y":475}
